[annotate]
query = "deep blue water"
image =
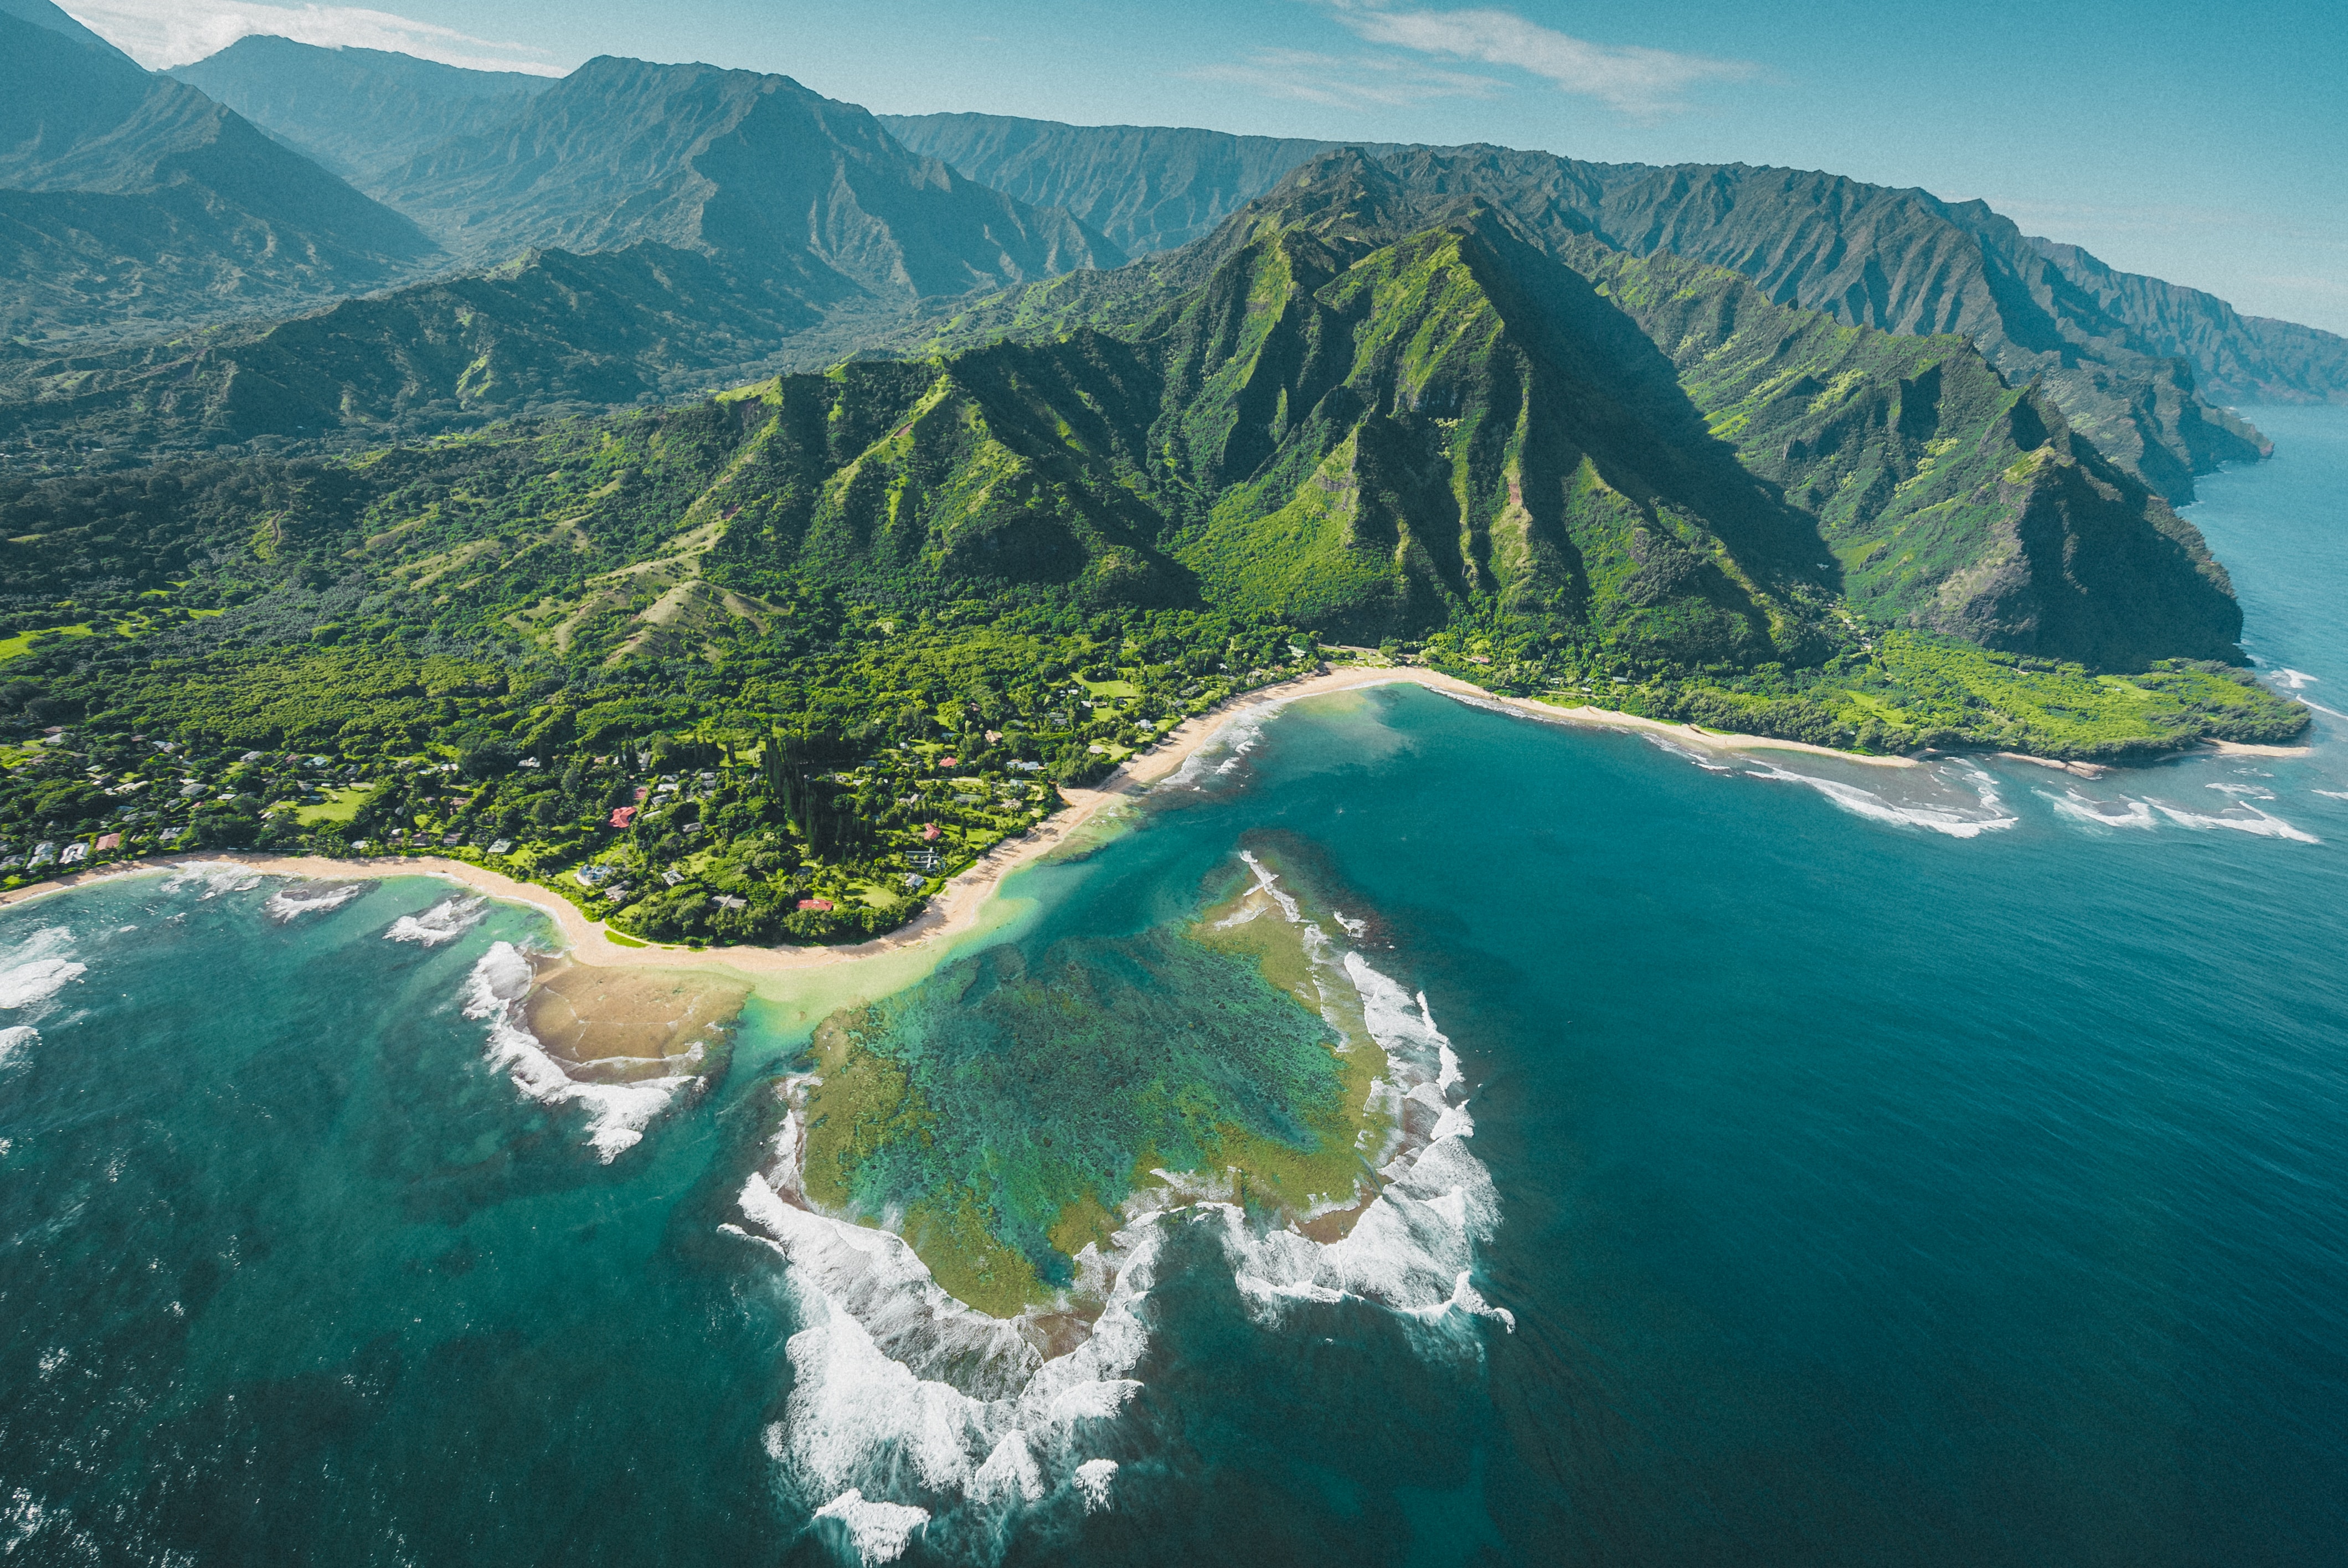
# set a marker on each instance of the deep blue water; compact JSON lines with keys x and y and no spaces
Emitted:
{"x":1869,"y":1191}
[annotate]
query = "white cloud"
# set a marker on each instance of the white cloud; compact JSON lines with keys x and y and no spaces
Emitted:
{"x":1347,"y":81}
{"x":1636,"y":81}
{"x":160,"y":33}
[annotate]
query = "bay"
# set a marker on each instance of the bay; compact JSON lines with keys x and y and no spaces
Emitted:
{"x":1930,"y":1166}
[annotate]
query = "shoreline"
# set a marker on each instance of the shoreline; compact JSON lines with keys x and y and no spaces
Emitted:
{"x":958,"y":908}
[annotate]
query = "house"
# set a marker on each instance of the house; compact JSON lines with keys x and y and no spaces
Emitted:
{"x":500,"y":846}
{"x":107,"y":841}
{"x":815,"y":904}
{"x":929,"y":833}
{"x":74,"y":854}
{"x":623,"y":816}
{"x":729,"y":901}
{"x":45,"y":852}
{"x":592,"y":876}
{"x":672,"y":876}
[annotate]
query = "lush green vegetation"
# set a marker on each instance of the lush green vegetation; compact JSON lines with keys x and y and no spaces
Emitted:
{"x":771,"y":665}
{"x":469,"y":647}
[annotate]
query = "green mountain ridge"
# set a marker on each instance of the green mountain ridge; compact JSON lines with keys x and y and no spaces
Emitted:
{"x":1901,"y":260}
{"x":127,"y":198}
{"x":622,"y":152}
{"x":360,"y":113}
{"x":1643,"y":447}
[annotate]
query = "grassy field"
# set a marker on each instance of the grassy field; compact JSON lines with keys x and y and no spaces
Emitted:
{"x":340,"y":806}
{"x":21,"y":644}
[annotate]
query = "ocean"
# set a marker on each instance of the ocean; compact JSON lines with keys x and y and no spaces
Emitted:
{"x":1814,"y":1163}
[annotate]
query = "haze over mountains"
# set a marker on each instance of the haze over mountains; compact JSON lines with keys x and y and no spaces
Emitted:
{"x":131,"y":200}
{"x":634,"y":229}
{"x":361,"y":113}
{"x":1901,"y":260}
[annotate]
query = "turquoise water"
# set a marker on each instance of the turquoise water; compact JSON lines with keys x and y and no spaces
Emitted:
{"x":1938,"y":1166}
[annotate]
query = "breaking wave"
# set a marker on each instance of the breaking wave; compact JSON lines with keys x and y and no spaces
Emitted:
{"x":2241,"y":815}
{"x":911,"y":1414}
{"x":617,"y":1113}
{"x":310,"y":898}
{"x":2078,"y":807}
{"x":15,"y":1036}
{"x":2251,"y":819}
{"x":1956,"y":823}
{"x":214,"y":876}
{"x":444,"y":922}
{"x":1228,"y":747}
{"x":1709,"y":763}
{"x":36,"y":968}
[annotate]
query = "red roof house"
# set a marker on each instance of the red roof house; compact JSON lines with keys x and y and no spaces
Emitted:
{"x":623,"y":816}
{"x":815,"y":903}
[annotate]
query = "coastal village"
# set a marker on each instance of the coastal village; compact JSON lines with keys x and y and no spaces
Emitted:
{"x":696,"y":837}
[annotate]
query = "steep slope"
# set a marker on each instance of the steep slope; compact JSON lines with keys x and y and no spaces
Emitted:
{"x":696,"y":158}
{"x":551,"y":332}
{"x":2254,"y":359}
{"x":1373,"y":429}
{"x":1352,"y":422}
{"x":736,"y":223}
{"x":360,"y":113}
{"x":1903,"y":260}
{"x":125,"y":198}
{"x":1148,"y":187}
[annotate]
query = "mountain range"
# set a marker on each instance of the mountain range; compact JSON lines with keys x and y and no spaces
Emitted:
{"x":720,"y":222}
{"x":1347,"y":416}
{"x":2126,"y":357}
{"x":359,"y":113}
{"x":130,"y":201}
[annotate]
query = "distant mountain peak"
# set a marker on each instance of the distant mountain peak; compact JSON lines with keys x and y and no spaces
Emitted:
{"x":747,"y":164}
{"x":49,"y":18}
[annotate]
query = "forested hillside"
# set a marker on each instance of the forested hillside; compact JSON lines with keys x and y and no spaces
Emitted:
{"x":1904,"y":260}
{"x":127,"y":198}
{"x":772,"y":661}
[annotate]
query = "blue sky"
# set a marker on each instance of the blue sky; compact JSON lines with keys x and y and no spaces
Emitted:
{"x":2208,"y":145}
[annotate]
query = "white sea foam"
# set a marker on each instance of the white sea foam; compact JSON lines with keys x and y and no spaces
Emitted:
{"x":2100,"y":813}
{"x":2294,"y":679}
{"x":310,"y":899}
{"x":16,"y":1036}
{"x":2251,"y":820}
{"x":444,"y":922}
{"x":1703,"y":760}
{"x":36,"y":968}
{"x":880,"y":1531}
{"x":2246,"y":792}
{"x":617,"y":1113}
{"x":1094,"y":1477}
{"x":214,"y":876}
{"x":2334,"y":793}
{"x":1954,"y":823}
{"x":902,"y":1393}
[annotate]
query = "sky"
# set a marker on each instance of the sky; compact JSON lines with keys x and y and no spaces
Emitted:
{"x":2207,"y":145}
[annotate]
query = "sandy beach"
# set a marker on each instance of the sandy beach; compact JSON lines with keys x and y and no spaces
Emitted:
{"x":961,"y":905}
